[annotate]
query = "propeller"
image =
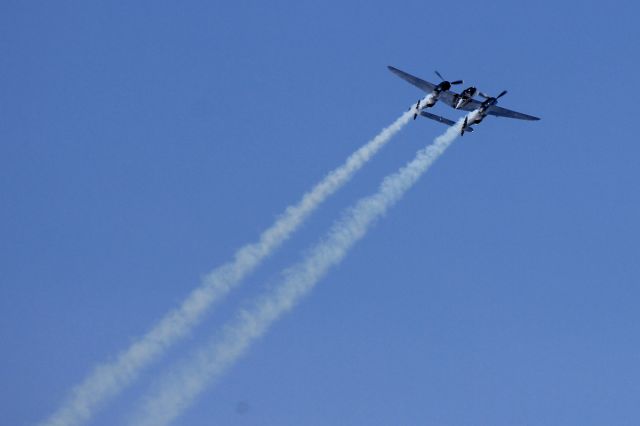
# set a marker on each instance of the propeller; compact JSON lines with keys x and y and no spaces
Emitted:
{"x":484,"y":95}
{"x":451,"y":82}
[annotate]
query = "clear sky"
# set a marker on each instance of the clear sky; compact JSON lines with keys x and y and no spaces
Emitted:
{"x":141,"y":143}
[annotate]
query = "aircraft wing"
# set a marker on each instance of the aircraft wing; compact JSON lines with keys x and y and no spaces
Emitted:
{"x":503,"y":112}
{"x":418,"y":82}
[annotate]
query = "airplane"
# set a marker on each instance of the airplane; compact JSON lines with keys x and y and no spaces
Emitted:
{"x":463,"y":101}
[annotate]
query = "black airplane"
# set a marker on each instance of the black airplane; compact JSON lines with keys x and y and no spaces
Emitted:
{"x":463,"y":101}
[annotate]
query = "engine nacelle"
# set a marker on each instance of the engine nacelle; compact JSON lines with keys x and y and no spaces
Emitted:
{"x":431,"y":101}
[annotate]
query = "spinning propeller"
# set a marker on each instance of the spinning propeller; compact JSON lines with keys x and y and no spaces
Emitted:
{"x":446,"y":85}
{"x":491,"y":98}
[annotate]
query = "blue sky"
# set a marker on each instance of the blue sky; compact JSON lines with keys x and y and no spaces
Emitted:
{"x":143,"y":143}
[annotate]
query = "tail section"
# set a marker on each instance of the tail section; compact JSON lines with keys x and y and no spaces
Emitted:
{"x":464,"y":126}
{"x":417,"y":110}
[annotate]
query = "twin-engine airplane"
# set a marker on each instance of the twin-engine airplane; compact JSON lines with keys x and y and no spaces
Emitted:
{"x":463,"y":101}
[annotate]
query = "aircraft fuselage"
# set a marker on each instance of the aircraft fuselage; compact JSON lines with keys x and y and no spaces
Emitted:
{"x":465,"y":97}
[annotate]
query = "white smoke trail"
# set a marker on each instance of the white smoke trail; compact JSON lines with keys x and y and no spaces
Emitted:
{"x":109,"y":378}
{"x":179,"y":390}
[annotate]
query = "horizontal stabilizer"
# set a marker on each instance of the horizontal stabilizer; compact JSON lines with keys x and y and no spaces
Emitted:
{"x":443,"y":120}
{"x":437,"y":118}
